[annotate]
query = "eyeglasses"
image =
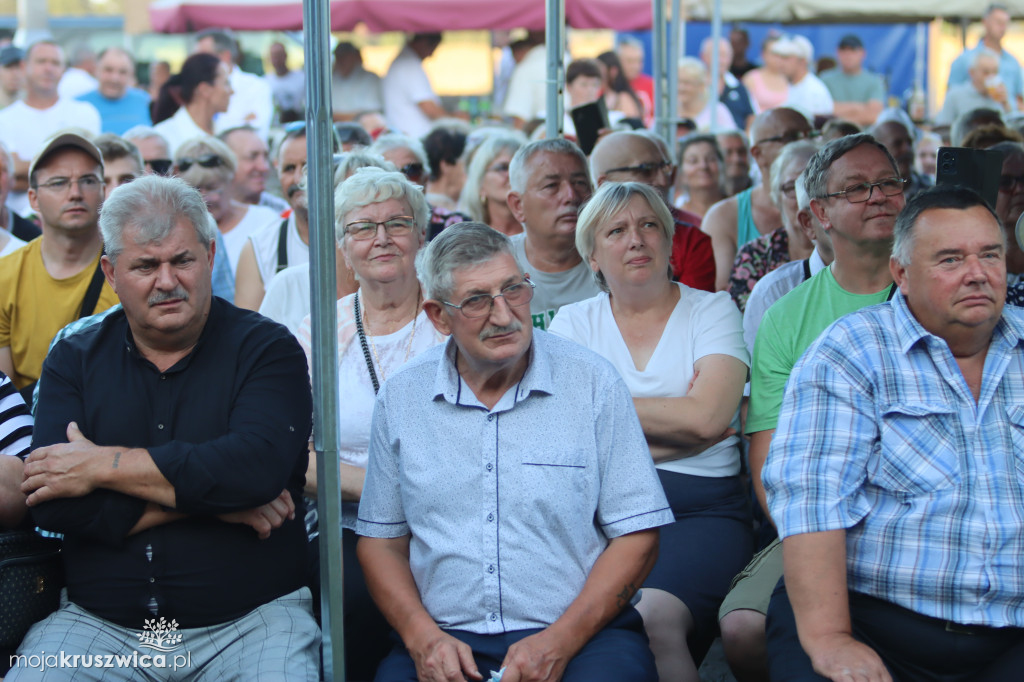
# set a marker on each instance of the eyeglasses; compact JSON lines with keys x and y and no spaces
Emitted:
{"x":858,"y":194}
{"x":478,"y":305}
{"x":1008,"y":182}
{"x":362,"y":230}
{"x":160,"y":166}
{"x":791,"y":136}
{"x":413,"y":171}
{"x":86,"y":184}
{"x":207,"y":161}
{"x":647,"y":170}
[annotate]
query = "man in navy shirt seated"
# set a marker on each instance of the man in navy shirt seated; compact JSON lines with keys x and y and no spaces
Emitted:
{"x":169,"y":449}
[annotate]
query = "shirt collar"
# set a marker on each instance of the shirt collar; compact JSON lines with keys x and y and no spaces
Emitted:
{"x":448,"y":383}
{"x":1009,"y":330}
{"x":209,"y":328}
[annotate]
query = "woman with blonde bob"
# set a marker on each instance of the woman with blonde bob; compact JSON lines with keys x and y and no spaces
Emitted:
{"x":380,"y":222}
{"x":487,"y":186}
{"x":681,"y":353}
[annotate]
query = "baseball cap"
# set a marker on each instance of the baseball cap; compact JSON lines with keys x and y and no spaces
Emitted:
{"x":850,"y":42}
{"x":60,"y":141}
{"x":10,"y":55}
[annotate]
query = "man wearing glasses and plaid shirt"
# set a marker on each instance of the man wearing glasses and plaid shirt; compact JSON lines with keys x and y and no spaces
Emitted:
{"x":856,"y":194}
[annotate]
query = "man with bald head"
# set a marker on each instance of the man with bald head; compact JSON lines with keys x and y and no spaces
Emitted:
{"x":636,"y":157}
{"x":737,"y":220}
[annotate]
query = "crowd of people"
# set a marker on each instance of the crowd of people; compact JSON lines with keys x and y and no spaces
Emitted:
{"x":595,"y":410}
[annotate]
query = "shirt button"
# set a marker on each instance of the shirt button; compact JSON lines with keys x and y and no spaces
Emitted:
{"x":490,"y":569}
{"x":494,"y":616}
{"x":489,"y":466}
{"x":162,"y":377}
{"x":490,"y":417}
{"x":160,"y":426}
{"x":490,"y":517}
{"x":152,"y":580}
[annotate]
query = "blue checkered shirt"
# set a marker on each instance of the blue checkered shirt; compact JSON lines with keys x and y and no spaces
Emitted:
{"x":880,"y":435}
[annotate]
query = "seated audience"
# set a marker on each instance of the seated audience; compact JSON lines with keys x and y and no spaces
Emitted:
{"x":699,"y":185}
{"x":485,"y":195}
{"x":681,"y":354}
{"x":122,"y":162}
{"x":190,"y":99}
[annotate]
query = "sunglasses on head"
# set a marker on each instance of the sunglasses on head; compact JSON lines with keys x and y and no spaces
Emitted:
{"x":160,"y":166}
{"x":207,"y":161}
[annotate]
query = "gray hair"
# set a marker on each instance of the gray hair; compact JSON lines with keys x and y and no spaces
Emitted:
{"x":202,"y":146}
{"x":494,"y":146}
{"x":373,"y":186}
{"x":153,"y":205}
{"x":983,"y":53}
{"x":354,"y":160}
{"x":460,"y":246}
{"x":609,"y":200}
{"x":803,"y":199}
{"x":956,"y":197}
{"x":389,"y":141}
{"x":820,"y":166}
{"x":141,"y":132}
{"x":791,"y":153}
{"x":517,"y":176}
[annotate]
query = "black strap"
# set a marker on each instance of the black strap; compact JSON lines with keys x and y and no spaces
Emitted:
{"x":362,"y":342}
{"x":892,"y":291}
{"x":92,"y":294}
{"x":807,"y":269}
{"x":282,"y":247}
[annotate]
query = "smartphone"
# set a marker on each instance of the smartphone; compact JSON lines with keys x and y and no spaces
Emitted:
{"x":589,"y":119}
{"x":978,"y":169}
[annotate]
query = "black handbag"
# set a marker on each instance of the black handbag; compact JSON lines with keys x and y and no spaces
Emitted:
{"x":31,"y":578}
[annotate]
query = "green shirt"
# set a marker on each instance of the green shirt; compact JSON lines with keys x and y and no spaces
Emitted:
{"x":860,"y":87}
{"x":787,"y":329}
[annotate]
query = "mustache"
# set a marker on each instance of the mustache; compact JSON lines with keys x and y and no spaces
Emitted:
{"x":293,"y":189}
{"x":162,"y":296}
{"x":514,"y":326}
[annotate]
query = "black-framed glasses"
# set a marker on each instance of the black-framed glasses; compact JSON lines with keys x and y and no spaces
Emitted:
{"x":160,"y":166}
{"x":413,"y":171}
{"x":791,"y":136}
{"x":205,"y":161}
{"x":362,"y":230}
{"x":1008,"y":182}
{"x":86,"y":184}
{"x":647,"y":170}
{"x":858,"y":194}
{"x":478,"y":305}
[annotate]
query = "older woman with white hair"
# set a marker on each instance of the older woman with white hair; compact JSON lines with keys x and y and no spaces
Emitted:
{"x":695,"y":100}
{"x":487,"y":186}
{"x":380,"y":218}
{"x":682,"y":355}
{"x":209,"y":165}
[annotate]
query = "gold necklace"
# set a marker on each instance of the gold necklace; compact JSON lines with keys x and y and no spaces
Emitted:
{"x":408,"y":348}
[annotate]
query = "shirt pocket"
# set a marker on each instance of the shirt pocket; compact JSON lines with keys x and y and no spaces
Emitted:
{"x":553,"y":486}
{"x":919,"y":450}
{"x":1015,"y":415}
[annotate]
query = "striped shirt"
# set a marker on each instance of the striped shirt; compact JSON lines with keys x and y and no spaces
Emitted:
{"x":15,"y":421}
{"x":880,"y":435}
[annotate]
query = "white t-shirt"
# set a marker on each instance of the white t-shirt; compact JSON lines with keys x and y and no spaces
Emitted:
{"x":76,"y":82}
{"x":13,"y":243}
{"x":554,"y":289}
{"x":289,"y":90}
{"x":24,"y":129}
{"x":701,"y":324}
{"x":264,"y":242}
{"x":255,"y":218}
{"x":287,"y":297}
{"x":358,"y":91}
{"x":527,"y":90}
{"x":179,"y":129}
{"x":810,"y":97}
{"x":405,"y":85}
{"x":251,"y":104}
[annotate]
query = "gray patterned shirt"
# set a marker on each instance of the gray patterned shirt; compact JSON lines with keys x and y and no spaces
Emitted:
{"x":508,"y":508}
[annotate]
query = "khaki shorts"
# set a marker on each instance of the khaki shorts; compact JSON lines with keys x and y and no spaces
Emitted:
{"x":753,"y":586}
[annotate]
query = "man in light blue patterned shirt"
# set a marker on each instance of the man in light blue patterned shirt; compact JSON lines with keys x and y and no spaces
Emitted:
{"x":511,"y":505}
{"x":896,"y":475}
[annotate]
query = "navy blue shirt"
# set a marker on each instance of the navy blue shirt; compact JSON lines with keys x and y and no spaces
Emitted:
{"x":227,"y":426}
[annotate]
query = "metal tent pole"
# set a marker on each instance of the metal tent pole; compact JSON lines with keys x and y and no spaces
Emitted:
{"x":554,"y":16}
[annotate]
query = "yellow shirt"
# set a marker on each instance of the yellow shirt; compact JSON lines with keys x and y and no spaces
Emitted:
{"x":34,"y":307}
